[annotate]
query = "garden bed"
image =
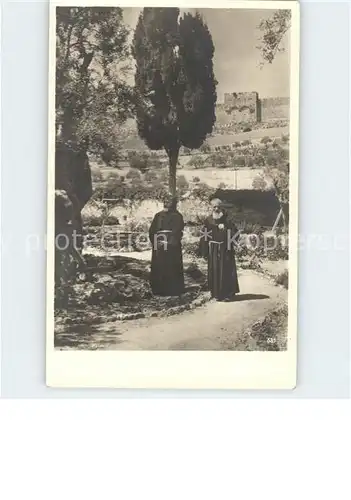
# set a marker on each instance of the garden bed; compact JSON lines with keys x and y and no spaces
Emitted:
{"x":268,"y":334}
{"x":117,"y":289}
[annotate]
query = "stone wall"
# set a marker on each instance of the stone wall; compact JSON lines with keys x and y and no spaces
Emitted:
{"x":247,"y":107}
{"x":275,"y":108}
{"x":242,"y":106}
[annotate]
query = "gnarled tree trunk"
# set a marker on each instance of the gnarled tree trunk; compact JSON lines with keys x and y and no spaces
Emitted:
{"x":73,"y":185}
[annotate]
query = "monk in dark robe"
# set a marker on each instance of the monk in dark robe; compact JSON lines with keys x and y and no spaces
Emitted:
{"x":166,"y":231}
{"x":217,"y":245}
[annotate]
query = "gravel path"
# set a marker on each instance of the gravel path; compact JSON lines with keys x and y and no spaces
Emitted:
{"x":214,"y":326}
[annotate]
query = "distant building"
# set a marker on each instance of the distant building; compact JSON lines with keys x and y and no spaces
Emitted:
{"x":242,"y":106}
{"x":247,"y":107}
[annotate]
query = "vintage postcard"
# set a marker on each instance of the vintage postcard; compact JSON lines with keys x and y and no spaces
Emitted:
{"x":173,"y":194}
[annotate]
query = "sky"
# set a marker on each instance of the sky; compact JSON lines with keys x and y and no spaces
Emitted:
{"x":237,"y":59}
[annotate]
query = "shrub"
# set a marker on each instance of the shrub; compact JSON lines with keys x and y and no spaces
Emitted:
{"x":237,"y":144}
{"x":182,"y":184}
{"x":150,"y":176}
{"x":266,"y":140}
{"x":222,"y":185}
{"x":274,"y":325}
{"x":259,"y":182}
{"x":139,"y":162}
{"x":219,"y":160}
{"x":280,"y":252}
{"x":285,"y":139}
{"x":154,"y":161}
{"x":283,"y":279}
{"x":283,"y":154}
{"x":239,"y":162}
{"x":202,"y":191}
{"x":111,"y":185}
{"x":162,"y":176}
{"x":259,"y":160}
{"x":133,"y":174}
{"x":272,"y":159}
{"x":110,"y":154}
{"x":196,"y":162}
{"x":92,"y":213}
{"x":246,"y":143}
{"x":191,"y":248}
{"x":112,"y":177}
{"x":205,"y":148}
{"x":96,"y":174}
{"x":196,"y":179}
{"x":194,"y":211}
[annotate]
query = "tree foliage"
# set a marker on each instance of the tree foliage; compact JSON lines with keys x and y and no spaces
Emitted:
{"x":279,"y":177}
{"x":91,"y":97}
{"x":273,"y":30}
{"x":175,"y":80}
{"x":259,"y":182}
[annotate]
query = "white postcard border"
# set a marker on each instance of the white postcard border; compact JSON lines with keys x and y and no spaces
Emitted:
{"x":178,"y":369}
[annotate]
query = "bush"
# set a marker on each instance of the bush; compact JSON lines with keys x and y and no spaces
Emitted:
{"x":194,"y":211}
{"x":162,"y":176}
{"x":96,"y":174}
{"x":92,"y":213}
{"x":133,"y":174}
{"x":191,"y":248}
{"x":205,"y":148}
{"x":280,"y":252}
{"x":202,"y":191}
{"x":222,"y":185}
{"x":196,"y":179}
{"x":219,"y":160}
{"x":283,"y":279}
{"x":246,"y":143}
{"x":259,"y":160}
{"x":259,"y":182}
{"x":266,"y":140}
{"x":239,"y":162}
{"x":112,"y":177}
{"x":182,"y":184}
{"x":272,"y":158}
{"x":139,"y":162}
{"x":110,"y":154}
{"x":195,"y":162}
{"x":150,"y":176}
{"x":285,"y":139}
{"x":153,"y":161}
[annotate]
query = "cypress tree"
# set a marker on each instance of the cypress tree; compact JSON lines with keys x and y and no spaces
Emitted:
{"x":174,"y":81}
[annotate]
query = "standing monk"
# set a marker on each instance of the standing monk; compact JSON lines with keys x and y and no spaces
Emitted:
{"x":166,"y":231}
{"x":217,"y":246}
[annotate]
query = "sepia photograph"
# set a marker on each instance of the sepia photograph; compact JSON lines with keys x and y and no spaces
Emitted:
{"x":172,"y":185}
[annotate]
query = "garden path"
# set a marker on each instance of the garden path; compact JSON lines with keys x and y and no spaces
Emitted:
{"x":214,"y":326}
